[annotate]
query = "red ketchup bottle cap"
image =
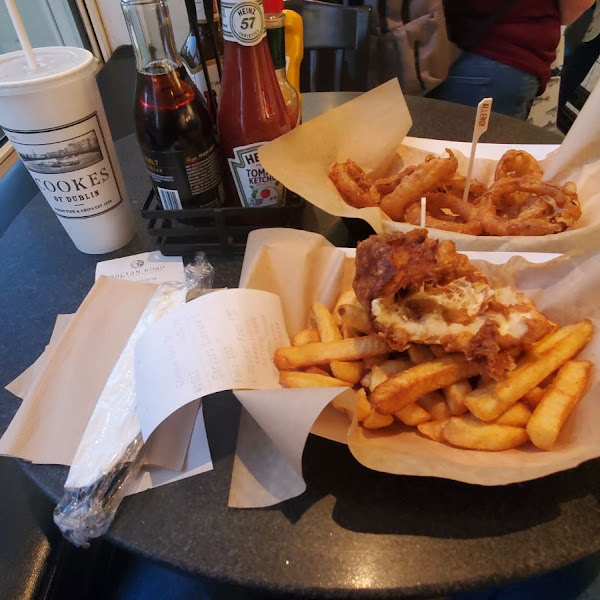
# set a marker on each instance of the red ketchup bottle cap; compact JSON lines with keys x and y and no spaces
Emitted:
{"x":273,"y":6}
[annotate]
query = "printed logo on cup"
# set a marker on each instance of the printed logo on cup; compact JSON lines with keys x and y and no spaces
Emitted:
{"x":71,"y":166}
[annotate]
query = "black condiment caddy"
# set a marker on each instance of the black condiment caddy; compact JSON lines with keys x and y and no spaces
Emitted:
{"x":221,"y":230}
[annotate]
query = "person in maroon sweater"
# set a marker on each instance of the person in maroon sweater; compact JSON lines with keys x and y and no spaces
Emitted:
{"x":508,"y":47}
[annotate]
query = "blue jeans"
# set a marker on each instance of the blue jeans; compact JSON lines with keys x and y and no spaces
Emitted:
{"x":474,"y":77}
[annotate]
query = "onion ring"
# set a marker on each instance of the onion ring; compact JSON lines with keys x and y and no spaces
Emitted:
{"x":518,"y":163}
{"x":357,"y":189}
{"x":527,"y":207}
{"x":518,"y":202}
{"x":456,"y":187}
{"x":386,"y":185}
{"x":565,"y":198}
{"x":426,"y":177}
{"x":354,"y":185}
{"x":436,"y":218}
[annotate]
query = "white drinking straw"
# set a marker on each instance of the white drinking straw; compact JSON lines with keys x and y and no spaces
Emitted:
{"x":482,"y":119}
{"x":15,"y":17}
{"x":423,"y":210}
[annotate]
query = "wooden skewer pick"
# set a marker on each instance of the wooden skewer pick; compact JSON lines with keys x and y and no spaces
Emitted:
{"x":423,"y":210}
{"x":482,"y":119}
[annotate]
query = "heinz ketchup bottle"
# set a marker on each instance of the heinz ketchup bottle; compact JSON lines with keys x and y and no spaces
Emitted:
{"x":252,"y":110}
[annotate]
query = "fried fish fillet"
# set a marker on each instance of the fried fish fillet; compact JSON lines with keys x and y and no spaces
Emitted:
{"x":419,"y":290}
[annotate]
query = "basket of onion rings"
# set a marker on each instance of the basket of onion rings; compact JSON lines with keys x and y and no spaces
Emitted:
{"x":509,"y":204}
{"x":356,"y":162}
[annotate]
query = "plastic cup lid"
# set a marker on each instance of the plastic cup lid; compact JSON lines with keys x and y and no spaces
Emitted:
{"x":55,"y":63}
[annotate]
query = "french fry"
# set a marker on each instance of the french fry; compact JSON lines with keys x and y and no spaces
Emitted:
{"x":438,"y":351}
{"x":412,"y":415}
{"x":348,"y":405}
{"x":393,"y":366}
{"x":349,"y":371}
{"x":466,"y":432}
{"x":328,"y":330}
{"x":377,"y":421}
{"x":378,"y":376}
{"x":455,"y":397}
{"x":435,"y":404}
{"x":517,"y":415}
{"x":320,"y":353}
{"x":348,"y":332}
{"x":455,"y":393}
{"x":346,"y":297}
{"x":363,"y":406}
{"x":558,"y":403}
{"x":408,"y":386}
{"x":419,"y":353}
{"x":372,"y":361}
{"x":342,"y":351}
{"x":318,"y":371}
{"x":490,"y":401}
{"x":390,"y":367}
{"x":548,"y":341}
{"x":306,"y":336}
{"x":356,"y":317}
{"x":296,"y":379}
{"x":433,"y":430}
{"x":534,"y":396}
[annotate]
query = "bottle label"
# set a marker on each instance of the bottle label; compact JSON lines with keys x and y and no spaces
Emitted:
{"x":200,"y":12}
{"x":184,"y":180}
{"x":276,"y":37}
{"x":72,"y":167}
{"x":198,"y":78}
{"x":243,"y":22}
{"x":254,"y":185}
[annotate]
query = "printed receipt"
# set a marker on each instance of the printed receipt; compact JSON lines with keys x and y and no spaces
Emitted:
{"x":220,"y":341}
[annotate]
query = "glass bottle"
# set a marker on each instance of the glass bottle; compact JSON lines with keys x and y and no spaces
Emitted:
{"x":200,"y":45}
{"x":173,"y":126}
{"x":275,"y":21}
{"x":252,"y":110}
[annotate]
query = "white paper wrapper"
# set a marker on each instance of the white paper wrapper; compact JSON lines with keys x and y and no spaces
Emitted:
{"x":114,"y":424}
{"x":565,"y":289}
{"x":371,"y":129}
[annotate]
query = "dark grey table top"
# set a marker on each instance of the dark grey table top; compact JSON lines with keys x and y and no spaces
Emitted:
{"x":354,"y":532}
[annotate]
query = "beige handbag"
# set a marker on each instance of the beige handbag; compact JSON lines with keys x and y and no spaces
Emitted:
{"x":409,"y":41}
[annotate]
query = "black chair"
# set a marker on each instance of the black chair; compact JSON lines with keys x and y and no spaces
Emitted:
{"x":36,"y":562}
{"x":336,"y":46}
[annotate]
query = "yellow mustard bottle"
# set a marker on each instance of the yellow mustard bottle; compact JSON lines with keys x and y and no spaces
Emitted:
{"x":294,"y":49}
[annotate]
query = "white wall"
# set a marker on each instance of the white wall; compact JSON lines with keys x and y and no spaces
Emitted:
{"x":114,"y":24}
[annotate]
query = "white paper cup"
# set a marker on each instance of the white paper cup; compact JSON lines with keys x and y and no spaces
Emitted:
{"x":55,"y":119}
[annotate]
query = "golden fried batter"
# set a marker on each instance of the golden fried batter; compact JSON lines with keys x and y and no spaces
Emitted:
{"x":518,"y":163}
{"x":419,"y":290}
{"x":389,"y":262}
{"x":426,"y":177}
{"x":518,"y":202}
